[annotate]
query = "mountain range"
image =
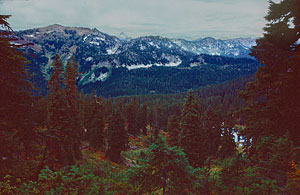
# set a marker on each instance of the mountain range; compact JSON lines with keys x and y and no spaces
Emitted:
{"x":102,"y":57}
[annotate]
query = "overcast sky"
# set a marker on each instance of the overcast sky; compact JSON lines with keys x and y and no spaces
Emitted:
{"x":190,"y":19}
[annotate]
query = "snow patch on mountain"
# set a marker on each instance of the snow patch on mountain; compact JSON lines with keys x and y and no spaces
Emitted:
{"x":100,"y":38}
{"x":32,"y":36}
{"x":102,"y":76}
{"x":94,"y":42}
{"x":89,"y":59}
{"x":136,"y":66}
{"x":85,"y":38}
{"x":113,"y":50}
{"x":175,"y":63}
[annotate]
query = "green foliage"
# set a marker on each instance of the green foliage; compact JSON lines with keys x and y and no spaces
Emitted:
{"x":174,"y":129}
{"x":17,"y":129}
{"x":163,"y":168}
{"x":264,"y":173}
{"x":131,"y":114}
{"x":191,"y":136}
{"x":70,"y":180}
{"x":204,"y":132}
{"x":7,"y":186}
{"x":272,"y":158}
{"x":63,"y":113}
{"x":56,"y":101}
{"x":117,"y":136}
{"x":94,"y":121}
{"x":74,"y":128}
{"x":237,"y":176}
{"x":272,"y":113}
{"x":211,"y":131}
{"x":273,"y":99}
{"x":142,"y":118}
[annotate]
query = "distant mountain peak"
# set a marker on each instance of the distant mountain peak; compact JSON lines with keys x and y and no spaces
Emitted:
{"x":209,"y":39}
{"x":123,"y":36}
{"x":205,"y":39}
{"x":56,"y":26}
{"x":53,"y":27}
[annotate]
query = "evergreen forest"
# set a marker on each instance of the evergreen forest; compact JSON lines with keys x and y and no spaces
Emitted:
{"x":237,"y":137}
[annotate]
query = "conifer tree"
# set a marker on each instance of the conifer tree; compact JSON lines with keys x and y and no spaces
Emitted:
{"x":142,"y":119}
{"x":17,"y":129}
{"x":274,"y":97}
{"x":56,"y":99}
{"x":212,"y":122}
{"x":117,"y":136}
{"x":159,"y":118}
{"x":191,"y":136}
{"x":108,"y":107}
{"x":165,"y":168}
{"x":85,"y":118}
{"x":74,"y":129}
{"x":97,"y":130}
{"x":57,"y":117}
{"x":174,"y":129}
{"x":131,"y":110}
{"x":151,"y":115}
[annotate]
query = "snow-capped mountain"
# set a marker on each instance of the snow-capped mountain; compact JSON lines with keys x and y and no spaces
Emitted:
{"x":97,"y":52}
{"x":124,"y":37}
{"x":94,"y":48}
{"x":231,"y":48}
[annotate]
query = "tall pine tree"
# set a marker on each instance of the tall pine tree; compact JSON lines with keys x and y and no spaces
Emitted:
{"x":191,"y":136}
{"x":142,"y":118}
{"x":174,"y":129}
{"x":131,"y":112}
{"x":74,"y":128}
{"x":274,"y":97}
{"x":273,"y":114}
{"x":57,"y":116}
{"x":97,"y":120}
{"x":17,"y":129}
{"x":165,"y":168}
{"x":117,"y":135}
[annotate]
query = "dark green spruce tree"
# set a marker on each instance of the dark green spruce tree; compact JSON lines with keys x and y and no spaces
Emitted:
{"x":151,"y":115}
{"x":74,"y":128}
{"x":17,"y":133}
{"x":273,"y":99}
{"x":84,"y":119}
{"x":131,"y":113}
{"x":142,"y":119}
{"x":165,"y":168}
{"x":117,"y":136}
{"x":57,"y":118}
{"x":191,"y":136}
{"x":212,"y":122}
{"x":174,"y":129}
{"x":97,"y":131}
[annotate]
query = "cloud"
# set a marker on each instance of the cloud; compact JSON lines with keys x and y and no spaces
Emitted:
{"x":173,"y":18}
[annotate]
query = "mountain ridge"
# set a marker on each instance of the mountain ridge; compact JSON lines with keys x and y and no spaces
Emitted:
{"x":99,"y":53}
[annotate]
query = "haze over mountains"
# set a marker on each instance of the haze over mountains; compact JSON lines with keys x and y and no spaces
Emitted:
{"x":99,"y":54}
